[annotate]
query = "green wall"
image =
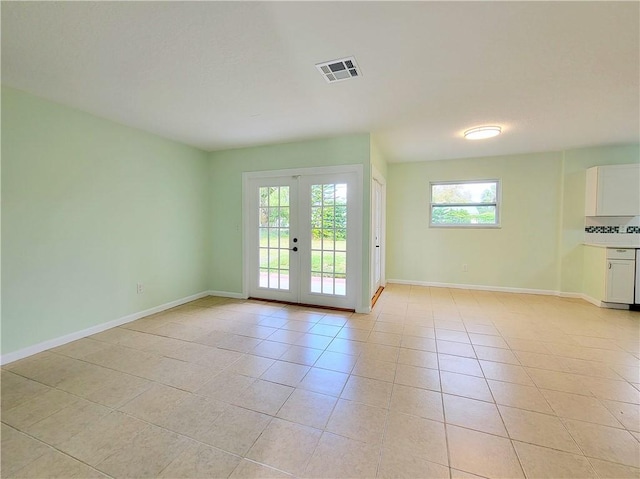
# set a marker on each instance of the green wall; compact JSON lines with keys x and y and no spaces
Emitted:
{"x":539,"y":245}
{"x":378,"y":159}
{"x":89,"y":208}
{"x":576,"y":162}
{"x":520,"y":254}
{"x":226,"y":168}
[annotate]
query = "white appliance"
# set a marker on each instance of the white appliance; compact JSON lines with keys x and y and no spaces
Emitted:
{"x":637,"y":298}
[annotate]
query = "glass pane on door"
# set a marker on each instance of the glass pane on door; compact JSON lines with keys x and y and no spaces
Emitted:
{"x":329,"y":239}
{"x":273,"y":233}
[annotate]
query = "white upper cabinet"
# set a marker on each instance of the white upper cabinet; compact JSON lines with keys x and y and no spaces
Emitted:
{"x":613,"y":190}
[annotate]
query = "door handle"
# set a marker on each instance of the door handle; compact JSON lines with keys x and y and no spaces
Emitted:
{"x":377,"y":246}
{"x":609,"y":265}
{"x":295,"y":248}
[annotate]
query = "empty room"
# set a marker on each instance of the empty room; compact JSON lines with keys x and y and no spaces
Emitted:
{"x":320,"y":240}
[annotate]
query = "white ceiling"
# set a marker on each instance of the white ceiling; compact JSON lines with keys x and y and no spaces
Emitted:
{"x":220,"y":75}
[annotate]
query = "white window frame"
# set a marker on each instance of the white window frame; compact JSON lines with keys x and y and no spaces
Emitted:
{"x":497,"y":204}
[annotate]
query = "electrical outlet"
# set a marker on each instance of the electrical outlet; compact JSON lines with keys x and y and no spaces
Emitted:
{"x":140,"y":288}
{"x":465,"y":268}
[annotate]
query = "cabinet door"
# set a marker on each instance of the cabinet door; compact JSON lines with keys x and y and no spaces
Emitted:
{"x":620,"y":281}
{"x":618,"y":190}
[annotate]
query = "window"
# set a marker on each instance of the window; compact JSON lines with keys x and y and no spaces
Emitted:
{"x":465,"y":203}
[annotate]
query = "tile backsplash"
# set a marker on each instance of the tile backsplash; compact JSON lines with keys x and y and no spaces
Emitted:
{"x":613,"y":230}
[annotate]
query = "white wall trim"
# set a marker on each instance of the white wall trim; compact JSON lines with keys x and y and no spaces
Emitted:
{"x":376,"y":176}
{"x":314,"y":170}
{"x":502,"y":289}
{"x":228,"y":294}
{"x":585,"y":297}
{"x":67,"y":338}
{"x":477,"y":287}
{"x":593,"y":301}
{"x":571,"y":295}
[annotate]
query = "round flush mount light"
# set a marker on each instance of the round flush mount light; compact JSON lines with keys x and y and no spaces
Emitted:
{"x":482,"y":132}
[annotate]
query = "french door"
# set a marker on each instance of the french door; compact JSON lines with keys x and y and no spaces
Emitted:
{"x":303,"y":237}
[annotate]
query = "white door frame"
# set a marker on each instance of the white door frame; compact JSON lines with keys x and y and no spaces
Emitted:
{"x":376,"y":176}
{"x":358,"y":221}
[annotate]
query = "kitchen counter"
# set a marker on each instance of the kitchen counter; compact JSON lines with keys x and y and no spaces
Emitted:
{"x":622,"y":246}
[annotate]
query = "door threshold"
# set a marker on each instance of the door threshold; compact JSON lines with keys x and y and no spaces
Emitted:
{"x":305,"y":305}
{"x":376,"y":296}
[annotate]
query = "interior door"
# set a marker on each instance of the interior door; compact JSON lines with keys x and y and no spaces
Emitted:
{"x":303,"y":238}
{"x":377,"y":246}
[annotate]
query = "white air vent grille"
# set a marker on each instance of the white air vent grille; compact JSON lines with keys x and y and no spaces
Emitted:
{"x":338,"y":70}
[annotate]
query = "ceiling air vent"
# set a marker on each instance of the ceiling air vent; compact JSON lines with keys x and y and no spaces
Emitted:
{"x":338,"y":70}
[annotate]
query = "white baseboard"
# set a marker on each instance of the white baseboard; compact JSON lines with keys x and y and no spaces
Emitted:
{"x":476,"y":287}
{"x":602,"y":304}
{"x":595,"y":302}
{"x":227,"y":294}
{"x":501,"y":289}
{"x":562,"y":294}
{"x":67,"y":338}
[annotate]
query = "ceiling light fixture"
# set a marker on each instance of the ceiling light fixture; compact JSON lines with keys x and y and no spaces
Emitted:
{"x":482,"y":132}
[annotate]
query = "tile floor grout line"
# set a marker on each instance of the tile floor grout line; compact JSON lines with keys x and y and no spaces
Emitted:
{"x":504,"y":424}
{"x":384,"y":432}
{"x":444,"y":414}
{"x":260,"y":464}
{"x":560,"y":418}
{"x":201,"y":443}
{"x":387,"y":417}
{"x":598,"y":400}
{"x":589,"y":459}
{"x":51,"y":446}
{"x":460,"y":316}
{"x":62,"y":408}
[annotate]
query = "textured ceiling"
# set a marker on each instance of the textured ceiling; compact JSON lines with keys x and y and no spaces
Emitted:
{"x":220,"y":75}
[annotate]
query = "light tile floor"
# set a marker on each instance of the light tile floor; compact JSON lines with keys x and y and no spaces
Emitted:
{"x":434,"y":383}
